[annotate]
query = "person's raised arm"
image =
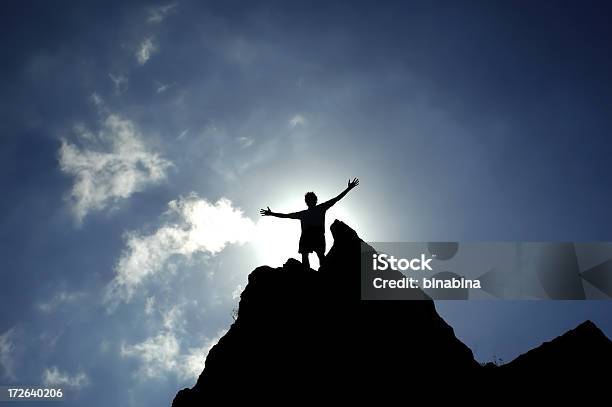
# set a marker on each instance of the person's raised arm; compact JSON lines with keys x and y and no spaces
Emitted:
{"x":268,"y":212}
{"x":351,"y":184}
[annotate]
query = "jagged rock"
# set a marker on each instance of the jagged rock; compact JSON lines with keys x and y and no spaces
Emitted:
{"x":298,"y":329}
{"x":306,"y":333}
{"x":577,"y":350}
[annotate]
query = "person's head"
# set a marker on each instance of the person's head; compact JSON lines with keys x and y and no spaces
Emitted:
{"x":311,"y":199}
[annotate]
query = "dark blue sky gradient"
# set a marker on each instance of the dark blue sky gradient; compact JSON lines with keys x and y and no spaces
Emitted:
{"x":476,"y":121}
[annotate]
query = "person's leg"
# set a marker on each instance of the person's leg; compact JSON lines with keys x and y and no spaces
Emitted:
{"x":321,"y":255}
{"x":305,"y":260}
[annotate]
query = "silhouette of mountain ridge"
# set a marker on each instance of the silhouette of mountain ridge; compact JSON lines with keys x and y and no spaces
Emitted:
{"x":574,"y":350}
{"x":305,"y":332}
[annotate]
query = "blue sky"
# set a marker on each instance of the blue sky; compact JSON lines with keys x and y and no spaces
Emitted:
{"x":139,"y":141}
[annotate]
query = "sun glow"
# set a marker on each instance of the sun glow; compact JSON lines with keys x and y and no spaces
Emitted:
{"x":276,"y":240}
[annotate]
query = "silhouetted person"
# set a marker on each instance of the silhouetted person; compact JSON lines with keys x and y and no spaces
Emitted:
{"x":313,"y":222}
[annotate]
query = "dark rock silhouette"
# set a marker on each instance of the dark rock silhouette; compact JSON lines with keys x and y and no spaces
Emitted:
{"x":577,"y":350}
{"x":306,"y":333}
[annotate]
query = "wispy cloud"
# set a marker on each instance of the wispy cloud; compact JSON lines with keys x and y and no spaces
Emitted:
{"x":245,"y":142}
{"x":149,"y":305}
{"x":97,"y":100}
{"x":297,"y":120}
{"x":158,"y":14}
{"x":162,"y":87}
{"x":109,"y":165}
{"x":120,"y":82}
{"x":55,"y":377}
{"x":157,"y":354}
{"x":161,"y":355}
{"x":182,"y":134}
{"x":172,"y":318}
{"x":7,"y":350}
{"x":145,"y":50}
{"x":196,"y":227}
{"x":62,"y":297}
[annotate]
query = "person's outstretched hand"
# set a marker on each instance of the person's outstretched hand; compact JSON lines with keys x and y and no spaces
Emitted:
{"x":352,"y":184}
{"x":265,"y":212}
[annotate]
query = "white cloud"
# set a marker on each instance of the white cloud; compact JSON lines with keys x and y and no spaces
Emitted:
{"x":120,"y":82}
{"x":60,"y":298}
{"x":157,"y":354}
{"x":162,"y":87}
{"x":149,"y":305}
{"x":172,"y":318}
{"x":54,"y":377}
{"x":161,"y":355}
{"x":159,"y":14}
{"x":145,"y":50}
{"x":199,"y":227}
{"x":297,"y":120}
{"x":7,"y":350}
{"x":111,"y":165}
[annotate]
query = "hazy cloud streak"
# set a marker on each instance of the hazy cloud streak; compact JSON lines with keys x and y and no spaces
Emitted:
{"x":54,"y":377}
{"x":159,"y":14}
